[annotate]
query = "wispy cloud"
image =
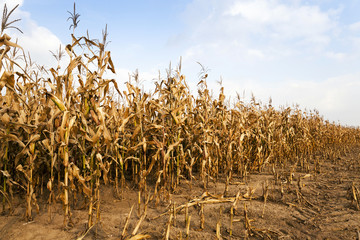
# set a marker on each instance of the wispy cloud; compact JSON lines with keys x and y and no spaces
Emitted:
{"x":284,"y":22}
{"x":261,"y":23}
{"x":355,"y":27}
{"x":292,"y":51}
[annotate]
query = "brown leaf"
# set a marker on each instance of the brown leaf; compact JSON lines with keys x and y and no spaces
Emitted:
{"x":7,"y":78}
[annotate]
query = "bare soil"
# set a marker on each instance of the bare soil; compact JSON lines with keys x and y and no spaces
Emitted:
{"x":314,"y":205}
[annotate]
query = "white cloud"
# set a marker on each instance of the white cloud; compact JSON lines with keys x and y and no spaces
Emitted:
{"x":260,"y":21}
{"x":336,"y":98}
{"x":355,"y":27}
{"x":38,"y":41}
{"x":285,"y":21}
{"x":339,"y":56}
{"x":255,"y":53}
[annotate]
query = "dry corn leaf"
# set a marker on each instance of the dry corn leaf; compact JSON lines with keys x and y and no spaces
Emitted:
{"x":7,"y":78}
{"x":5,"y":40}
{"x":57,"y":101}
{"x":139,"y":237}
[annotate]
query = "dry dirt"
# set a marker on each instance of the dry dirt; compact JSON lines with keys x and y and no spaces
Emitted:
{"x":320,"y":206}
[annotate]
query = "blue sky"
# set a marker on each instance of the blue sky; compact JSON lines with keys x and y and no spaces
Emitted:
{"x":294,"y":51}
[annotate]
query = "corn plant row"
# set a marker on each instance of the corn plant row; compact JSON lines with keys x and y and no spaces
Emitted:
{"x":67,"y":129}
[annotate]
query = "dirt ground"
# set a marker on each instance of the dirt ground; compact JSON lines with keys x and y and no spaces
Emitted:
{"x":314,"y":205}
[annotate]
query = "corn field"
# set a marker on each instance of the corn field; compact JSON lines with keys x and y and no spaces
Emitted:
{"x":72,"y":131}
